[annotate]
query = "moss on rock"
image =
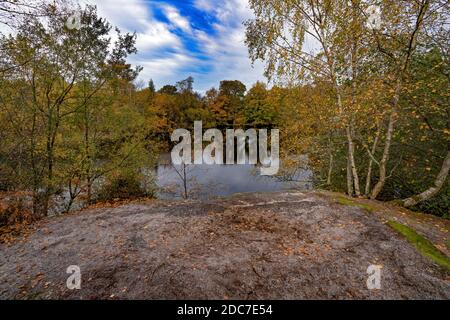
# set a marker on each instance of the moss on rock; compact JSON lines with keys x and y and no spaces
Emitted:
{"x":423,"y":245}
{"x":347,"y":202}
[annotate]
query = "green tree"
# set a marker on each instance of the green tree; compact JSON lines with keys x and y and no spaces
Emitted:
{"x":57,"y":75}
{"x":151,"y":86}
{"x":231,"y":97}
{"x":168,"y":89}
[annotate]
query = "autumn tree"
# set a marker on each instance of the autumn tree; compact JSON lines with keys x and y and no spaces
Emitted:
{"x":279,"y":34}
{"x":229,"y":103}
{"x":366,"y":64}
{"x":61,"y":72}
{"x":258,"y":109}
{"x":168,"y":89}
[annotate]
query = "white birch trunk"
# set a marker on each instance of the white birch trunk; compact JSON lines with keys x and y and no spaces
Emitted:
{"x":432,"y":191}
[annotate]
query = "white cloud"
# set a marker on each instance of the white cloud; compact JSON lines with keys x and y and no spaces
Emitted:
{"x":209,"y":44}
{"x":165,"y":70}
{"x":153,"y":37}
{"x":164,"y":56}
{"x":130,"y":15}
{"x":136,"y":16}
{"x":227,"y":48}
{"x":204,"y":5}
{"x":176,"y":19}
{"x":156,"y":35}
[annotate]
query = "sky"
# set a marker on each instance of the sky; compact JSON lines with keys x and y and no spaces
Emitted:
{"x":181,"y":38}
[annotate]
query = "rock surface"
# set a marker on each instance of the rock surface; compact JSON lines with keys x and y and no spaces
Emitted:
{"x":285,"y":245}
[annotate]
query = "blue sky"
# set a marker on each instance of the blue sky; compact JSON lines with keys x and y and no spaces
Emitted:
{"x":181,"y":38}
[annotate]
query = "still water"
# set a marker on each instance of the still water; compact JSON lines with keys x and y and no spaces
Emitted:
{"x":206,"y":181}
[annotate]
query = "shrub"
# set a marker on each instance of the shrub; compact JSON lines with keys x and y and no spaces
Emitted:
{"x":15,"y":218}
{"x":15,"y":211}
{"x":123,"y":186}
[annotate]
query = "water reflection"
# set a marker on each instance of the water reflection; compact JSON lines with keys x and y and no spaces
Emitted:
{"x":206,"y":181}
{"x":203,"y":182}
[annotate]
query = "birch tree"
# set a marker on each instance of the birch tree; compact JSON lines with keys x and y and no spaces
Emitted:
{"x":302,"y":40}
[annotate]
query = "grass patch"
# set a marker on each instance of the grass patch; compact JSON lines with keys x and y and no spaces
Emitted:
{"x":347,"y":202}
{"x":424,"y":246}
{"x":396,"y":202}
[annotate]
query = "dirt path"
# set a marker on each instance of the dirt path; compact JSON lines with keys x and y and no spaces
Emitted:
{"x":251,"y":246}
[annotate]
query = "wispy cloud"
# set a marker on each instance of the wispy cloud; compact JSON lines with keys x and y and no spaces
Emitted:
{"x":226,"y":47}
{"x":177,"y":39}
{"x":176,"y":18}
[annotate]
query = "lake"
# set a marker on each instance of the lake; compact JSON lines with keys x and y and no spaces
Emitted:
{"x":207,"y":181}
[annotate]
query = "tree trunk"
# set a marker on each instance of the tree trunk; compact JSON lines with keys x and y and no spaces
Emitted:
{"x":330,"y":169}
{"x":330,"y":165}
{"x":352,"y":172}
{"x":351,"y":157}
{"x":349,"y":178}
{"x":50,"y":159}
{"x":387,"y":144}
{"x":386,"y":153}
{"x":424,"y":6}
{"x":87,"y":152}
{"x":33,"y":158}
{"x":351,"y":145}
{"x":431,"y":192}
{"x":369,"y":170}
